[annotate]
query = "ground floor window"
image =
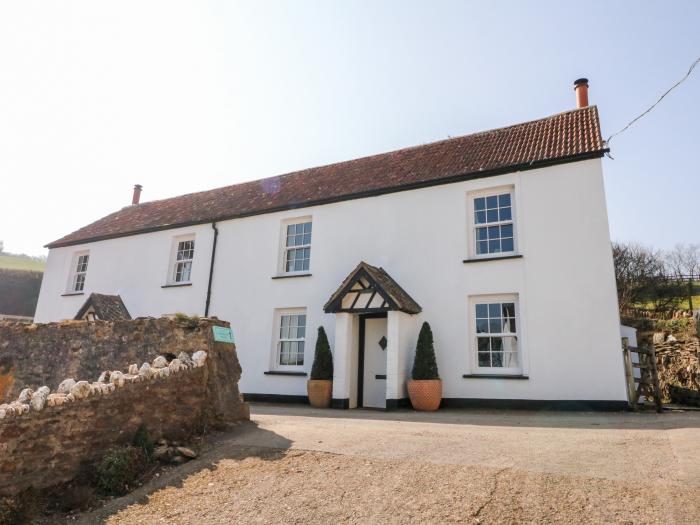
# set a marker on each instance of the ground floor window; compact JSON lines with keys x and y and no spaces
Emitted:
{"x":496,"y":326}
{"x":290,"y":337}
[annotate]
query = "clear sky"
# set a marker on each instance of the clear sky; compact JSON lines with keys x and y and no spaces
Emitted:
{"x":185,"y":96}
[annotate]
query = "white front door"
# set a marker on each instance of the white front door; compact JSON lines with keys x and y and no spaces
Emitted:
{"x":374,"y":363}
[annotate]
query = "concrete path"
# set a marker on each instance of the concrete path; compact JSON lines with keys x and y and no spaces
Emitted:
{"x":295,"y":464}
{"x":621,"y":446}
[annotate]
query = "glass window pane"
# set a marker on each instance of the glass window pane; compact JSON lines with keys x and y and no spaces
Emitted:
{"x":508,"y":309}
{"x":495,"y":310}
{"x":495,"y":326}
{"x":494,"y":246}
{"x":483,"y":344}
{"x":482,"y":310}
{"x":482,"y":326}
{"x":496,"y":344}
{"x":484,"y":359}
{"x":504,"y":200}
{"x":511,"y":326}
{"x":479,"y":203}
{"x":491,"y":201}
{"x":494,"y":232}
{"x":507,"y":245}
{"x":307,"y":227}
{"x":480,"y":217}
{"x":302,"y":320}
{"x":307,"y":238}
{"x":482,"y":247}
{"x":481,"y":234}
{"x":492,"y":215}
{"x":505,"y":214}
{"x":507,"y":230}
{"x":497,"y":359}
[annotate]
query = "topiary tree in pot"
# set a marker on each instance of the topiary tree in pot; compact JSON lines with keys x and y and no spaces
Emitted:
{"x":425,"y":388}
{"x":320,"y":385}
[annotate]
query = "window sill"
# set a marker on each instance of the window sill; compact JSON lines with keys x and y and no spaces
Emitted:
{"x":68,"y":294}
{"x":289,"y":276}
{"x":496,"y":258}
{"x":284,"y":373}
{"x":178,"y":285}
{"x":495,"y":376}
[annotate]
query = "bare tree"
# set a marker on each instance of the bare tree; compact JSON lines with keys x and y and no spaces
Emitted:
{"x":683,"y":262}
{"x":641,"y":277}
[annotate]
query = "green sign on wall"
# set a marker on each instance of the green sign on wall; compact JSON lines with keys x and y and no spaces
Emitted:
{"x":222,"y":334}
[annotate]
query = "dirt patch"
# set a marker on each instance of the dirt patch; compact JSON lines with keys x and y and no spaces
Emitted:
{"x":317,"y":487}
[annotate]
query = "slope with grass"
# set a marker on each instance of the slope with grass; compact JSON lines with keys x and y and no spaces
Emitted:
{"x":11,"y":261}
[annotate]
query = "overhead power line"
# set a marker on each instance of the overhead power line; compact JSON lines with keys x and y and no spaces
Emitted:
{"x":674,"y":86}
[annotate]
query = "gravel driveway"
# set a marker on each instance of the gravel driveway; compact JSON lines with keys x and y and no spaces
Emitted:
{"x":301,"y":465}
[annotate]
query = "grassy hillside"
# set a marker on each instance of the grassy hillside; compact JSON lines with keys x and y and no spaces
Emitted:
{"x":21,"y":262}
{"x":684,"y":304}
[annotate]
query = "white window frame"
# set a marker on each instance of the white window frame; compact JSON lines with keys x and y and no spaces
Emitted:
{"x":518,"y":335}
{"x":174,"y":262}
{"x":282,"y":267}
{"x":277,"y":339}
{"x":490,"y":192}
{"x":75,"y":271}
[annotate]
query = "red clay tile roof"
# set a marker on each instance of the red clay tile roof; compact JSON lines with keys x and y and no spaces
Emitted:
{"x":565,"y":137}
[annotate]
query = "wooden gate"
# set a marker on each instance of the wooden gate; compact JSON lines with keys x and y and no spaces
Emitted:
{"x":642,"y":389}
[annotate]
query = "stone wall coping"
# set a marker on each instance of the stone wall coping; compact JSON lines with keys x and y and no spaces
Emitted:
{"x":71,"y":391}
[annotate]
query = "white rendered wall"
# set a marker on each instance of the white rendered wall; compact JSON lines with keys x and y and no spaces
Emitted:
{"x":569,"y":325}
{"x":134,"y":267}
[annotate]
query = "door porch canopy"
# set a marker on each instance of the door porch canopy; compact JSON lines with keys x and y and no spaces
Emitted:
{"x":369,"y":289}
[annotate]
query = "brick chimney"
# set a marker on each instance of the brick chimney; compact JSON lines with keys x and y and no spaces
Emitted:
{"x":581,"y":88}
{"x":137,"y":194}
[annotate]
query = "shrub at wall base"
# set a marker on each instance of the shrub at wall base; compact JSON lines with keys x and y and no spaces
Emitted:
{"x":425,"y":390}
{"x":320,"y":386}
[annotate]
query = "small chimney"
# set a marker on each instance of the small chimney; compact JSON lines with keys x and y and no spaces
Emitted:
{"x":137,"y":194}
{"x":581,"y":88}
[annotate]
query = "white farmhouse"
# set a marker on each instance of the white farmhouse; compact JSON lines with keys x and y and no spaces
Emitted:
{"x":498,"y":239}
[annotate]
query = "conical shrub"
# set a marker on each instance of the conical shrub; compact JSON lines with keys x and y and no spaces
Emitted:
{"x":323,"y":358}
{"x":424,"y":364}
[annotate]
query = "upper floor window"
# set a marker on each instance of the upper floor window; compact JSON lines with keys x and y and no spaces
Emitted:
{"x":181,"y":268}
{"x":297,"y":247}
{"x":79,"y":272}
{"x":496,"y":323}
{"x":493,"y":224}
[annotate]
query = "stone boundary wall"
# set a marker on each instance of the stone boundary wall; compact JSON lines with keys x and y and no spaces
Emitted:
{"x":45,"y":354}
{"x":48,"y":437}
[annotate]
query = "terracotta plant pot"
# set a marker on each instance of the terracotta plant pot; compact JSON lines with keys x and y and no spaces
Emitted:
{"x":425,"y":394}
{"x":320,"y":392}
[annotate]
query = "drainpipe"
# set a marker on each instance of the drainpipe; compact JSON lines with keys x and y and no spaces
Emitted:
{"x":211,"y":268}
